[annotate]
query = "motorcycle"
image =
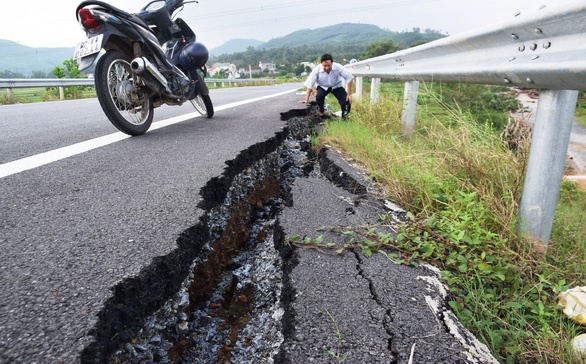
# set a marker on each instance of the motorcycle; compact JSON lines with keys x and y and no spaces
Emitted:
{"x":150,"y":59}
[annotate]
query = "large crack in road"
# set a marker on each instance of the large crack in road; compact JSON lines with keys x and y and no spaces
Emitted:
{"x":216,"y":298}
{"x":234,"y":292}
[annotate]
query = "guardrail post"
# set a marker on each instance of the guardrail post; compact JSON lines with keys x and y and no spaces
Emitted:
{"x":358,"y":87}
{"x":409,"y":107}
{"x":374,"y":86}
{"x":547,"y":156}
{"x":9,"y":93}
{"x":61,"y":93}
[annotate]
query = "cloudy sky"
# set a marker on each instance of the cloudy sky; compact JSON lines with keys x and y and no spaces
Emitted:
{"x":45,"y":23}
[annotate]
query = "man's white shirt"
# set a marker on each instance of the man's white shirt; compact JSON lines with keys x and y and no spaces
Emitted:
{"x":318,"y":77}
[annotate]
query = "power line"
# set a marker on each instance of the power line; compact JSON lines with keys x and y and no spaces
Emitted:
{"x":256,"y":9}
{"x":313,"y":15}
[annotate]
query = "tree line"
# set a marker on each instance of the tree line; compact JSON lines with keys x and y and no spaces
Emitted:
{"x":288,"y":59}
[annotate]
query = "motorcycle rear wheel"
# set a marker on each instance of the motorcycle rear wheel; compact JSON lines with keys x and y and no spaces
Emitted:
{"x":127,"y":106}
{"x":203,"y":105}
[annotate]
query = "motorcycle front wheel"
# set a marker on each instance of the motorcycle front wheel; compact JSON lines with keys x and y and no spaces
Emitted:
{"x":125,"y":103}
{"x":203,"y":105}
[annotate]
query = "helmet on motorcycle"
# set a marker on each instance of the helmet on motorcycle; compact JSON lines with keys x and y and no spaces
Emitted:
{"x":193,"y":56}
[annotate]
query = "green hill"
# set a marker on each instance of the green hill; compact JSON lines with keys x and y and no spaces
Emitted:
{"x":344,"y":41}
{"x":18,"y":58}
{"x":345,"y":33}
{"x":235,"y":45}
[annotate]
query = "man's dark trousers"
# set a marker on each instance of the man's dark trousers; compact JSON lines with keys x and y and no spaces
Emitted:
{"x":340,"y":94}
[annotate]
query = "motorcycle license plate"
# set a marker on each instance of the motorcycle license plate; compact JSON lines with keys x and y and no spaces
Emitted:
{"x":88,"y":47}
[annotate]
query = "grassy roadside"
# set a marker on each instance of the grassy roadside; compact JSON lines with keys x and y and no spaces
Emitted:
{"x":581,"y":109}
{"x":463,"y":185}
{"x":43,"y":94}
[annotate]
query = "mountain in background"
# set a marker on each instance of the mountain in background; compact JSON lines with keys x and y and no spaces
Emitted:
{"x":346,"y":40}
{"x":235,"y":45}
{"x":18,"y":58}
{"x":345,"y":33}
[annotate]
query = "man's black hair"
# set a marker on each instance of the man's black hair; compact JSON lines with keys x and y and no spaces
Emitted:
{"x":327,"y":57}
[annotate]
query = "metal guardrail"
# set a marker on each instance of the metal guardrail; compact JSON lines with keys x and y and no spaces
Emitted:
{"x":66,"y":82}
{"x":9,"y":84}
{"x":543,"y":49}
{"x":45,"y":82}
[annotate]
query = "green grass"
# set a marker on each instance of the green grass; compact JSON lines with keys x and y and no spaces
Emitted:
{"x":40,"y":94}
{"x":581,"y":110}
{"x":463,"y":186}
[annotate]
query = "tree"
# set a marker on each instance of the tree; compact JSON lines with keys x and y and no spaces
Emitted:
{"x":39,"y":74}
{"x":71,"y":92}
{"x":72,"y":68}
{"x":299,"y":69}
{"x":11,"y":74}
{"x":379,"y":49}
{"x":58,"y":71}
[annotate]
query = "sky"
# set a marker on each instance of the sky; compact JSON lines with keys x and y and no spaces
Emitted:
{"x":46,"y":23}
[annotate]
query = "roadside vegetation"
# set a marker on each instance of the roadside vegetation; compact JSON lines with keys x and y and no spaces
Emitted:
{"x":42,"y":94}
{"x":460,"y":178}
{"x":581,"y":109}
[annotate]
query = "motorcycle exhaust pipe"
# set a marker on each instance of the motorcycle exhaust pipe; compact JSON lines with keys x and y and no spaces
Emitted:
{"x":140,"y":64}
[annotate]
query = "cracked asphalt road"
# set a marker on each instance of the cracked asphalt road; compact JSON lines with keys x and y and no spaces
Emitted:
{"x":366,"y":310}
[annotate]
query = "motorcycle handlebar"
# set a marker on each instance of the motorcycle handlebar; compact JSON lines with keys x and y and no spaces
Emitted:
{"x":170,"y":7}
{"x":173,"y":5}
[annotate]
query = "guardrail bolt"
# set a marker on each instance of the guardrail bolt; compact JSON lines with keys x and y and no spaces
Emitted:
{"x":507,"y":80}
{"x":517,"y":13}
{"x":534,"y":58}
{"x":533,"y":46}
{"x":514,"y":36}
{"x":512,"y":59}
{"x":538,"y":31}
{"x":546,"y":45}
{"x":542,"y":7}
{"x":529,"y":80}
{"x":521,"y":48}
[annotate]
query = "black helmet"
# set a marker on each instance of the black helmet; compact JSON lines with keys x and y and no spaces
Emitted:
{"x":193,"y":56}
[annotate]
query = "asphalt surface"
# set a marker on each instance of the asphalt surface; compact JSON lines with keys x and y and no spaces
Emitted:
{"x":356,"y":309}
{"x":72,"y":230}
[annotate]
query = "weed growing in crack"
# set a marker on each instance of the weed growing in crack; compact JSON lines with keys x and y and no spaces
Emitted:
{"x":490,"y":295}
{"x":366,"y":239}
{"x":340,"y":358}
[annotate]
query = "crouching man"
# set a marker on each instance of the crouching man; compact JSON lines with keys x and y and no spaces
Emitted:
{"x":328,"y":78}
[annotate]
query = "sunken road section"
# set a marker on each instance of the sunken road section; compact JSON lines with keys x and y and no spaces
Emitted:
{"x":233,"y":291}
{"x":206,"y":285}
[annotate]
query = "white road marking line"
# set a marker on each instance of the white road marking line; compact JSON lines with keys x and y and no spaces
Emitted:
{"x":38,"y":160}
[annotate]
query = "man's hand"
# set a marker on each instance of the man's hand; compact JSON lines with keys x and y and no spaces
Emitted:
{"x":349,"y":89}
{"x":307,"y":94}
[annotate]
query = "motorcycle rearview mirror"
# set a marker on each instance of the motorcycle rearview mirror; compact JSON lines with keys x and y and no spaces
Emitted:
{"x":149,"y":5}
